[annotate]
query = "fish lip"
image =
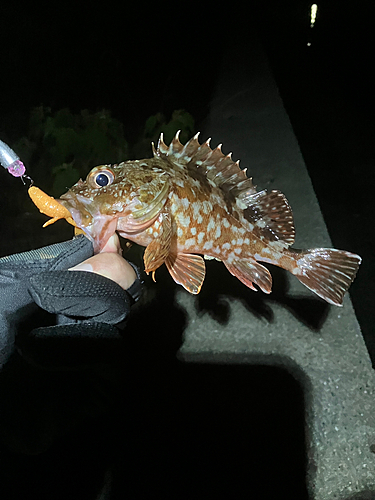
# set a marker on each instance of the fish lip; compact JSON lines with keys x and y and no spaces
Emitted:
{"x":76,"y":204}
{"x":97,"y":227}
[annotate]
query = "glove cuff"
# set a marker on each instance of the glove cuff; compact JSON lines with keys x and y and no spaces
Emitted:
{"x":136,"y":289}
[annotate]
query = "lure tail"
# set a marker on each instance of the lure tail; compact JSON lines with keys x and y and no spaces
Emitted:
{"x":327,"y":272}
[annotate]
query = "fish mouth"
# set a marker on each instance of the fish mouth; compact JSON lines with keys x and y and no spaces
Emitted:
{"x":76,"y":204}
{"x":97,"y":227}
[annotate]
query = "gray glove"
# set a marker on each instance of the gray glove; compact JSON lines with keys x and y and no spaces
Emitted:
{"x":81,"y":304}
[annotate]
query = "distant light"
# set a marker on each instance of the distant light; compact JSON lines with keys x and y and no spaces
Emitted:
{"x":314,"y":10}
{"x":309,"y":44}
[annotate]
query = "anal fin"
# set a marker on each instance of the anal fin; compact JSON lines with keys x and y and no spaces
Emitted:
{"x":188,"y":270}
{"x":249,"y":271}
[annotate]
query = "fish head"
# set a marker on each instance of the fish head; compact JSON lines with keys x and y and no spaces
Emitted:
{"x":96,"y":203}
{"x":132,"y":192}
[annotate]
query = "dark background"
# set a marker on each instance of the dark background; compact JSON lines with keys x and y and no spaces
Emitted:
{"x":137,"y":60}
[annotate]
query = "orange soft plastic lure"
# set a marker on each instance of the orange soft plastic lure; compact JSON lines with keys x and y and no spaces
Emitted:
{"x":49,"y":206}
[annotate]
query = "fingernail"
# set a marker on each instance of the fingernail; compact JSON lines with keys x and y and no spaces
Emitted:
{"x":112,"y":245}
{"x":82,"y":267}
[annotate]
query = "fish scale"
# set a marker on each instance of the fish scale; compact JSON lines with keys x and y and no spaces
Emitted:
{"x":190,"y":200}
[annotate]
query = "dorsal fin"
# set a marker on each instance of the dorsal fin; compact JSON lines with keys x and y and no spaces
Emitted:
{"x":270,"y":212}
{"x":272,"y":215}
{"x":212,"y":163}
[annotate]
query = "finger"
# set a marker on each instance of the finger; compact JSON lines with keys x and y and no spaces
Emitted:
{"x":113,"y":245}
{"x":109,"y":265}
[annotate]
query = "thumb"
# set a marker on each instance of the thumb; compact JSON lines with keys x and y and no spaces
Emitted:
{"x":110,"y":264}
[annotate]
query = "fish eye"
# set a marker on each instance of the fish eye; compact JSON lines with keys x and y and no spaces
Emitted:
{"x":103,"y":178}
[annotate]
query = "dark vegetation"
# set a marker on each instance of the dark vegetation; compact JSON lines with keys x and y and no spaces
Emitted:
{"x":60,"y":146}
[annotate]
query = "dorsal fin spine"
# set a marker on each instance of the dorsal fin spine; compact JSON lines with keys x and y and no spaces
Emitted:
{"x":162,"y":147}
{"x":217,"y":167}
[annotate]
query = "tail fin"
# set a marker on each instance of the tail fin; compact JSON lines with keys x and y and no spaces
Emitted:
{"x":327,"y":272}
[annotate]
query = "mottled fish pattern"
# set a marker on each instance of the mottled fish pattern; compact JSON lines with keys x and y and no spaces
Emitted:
{"x":189,"y":200}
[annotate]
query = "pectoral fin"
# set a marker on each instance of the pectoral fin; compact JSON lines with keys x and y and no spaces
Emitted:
{"x":158,"y":250}
{"x":187,"y":270}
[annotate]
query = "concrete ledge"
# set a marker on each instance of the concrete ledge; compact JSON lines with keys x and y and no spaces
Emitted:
{"x":321,"y":345}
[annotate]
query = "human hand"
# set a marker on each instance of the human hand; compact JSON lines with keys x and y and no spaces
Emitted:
{"x":110,"y":264}
{"x":63,"y":352}
{"x":82,"y":303}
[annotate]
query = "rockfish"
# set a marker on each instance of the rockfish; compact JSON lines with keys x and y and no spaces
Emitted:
{"x":188,"y":200}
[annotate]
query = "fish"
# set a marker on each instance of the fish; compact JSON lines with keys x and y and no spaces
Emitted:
{"x":189,"y":203}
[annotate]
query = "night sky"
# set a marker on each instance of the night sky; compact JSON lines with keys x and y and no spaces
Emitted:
{"x":148,"y":59}
{"x":144,"y":60}
{"x":135,"y":63}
